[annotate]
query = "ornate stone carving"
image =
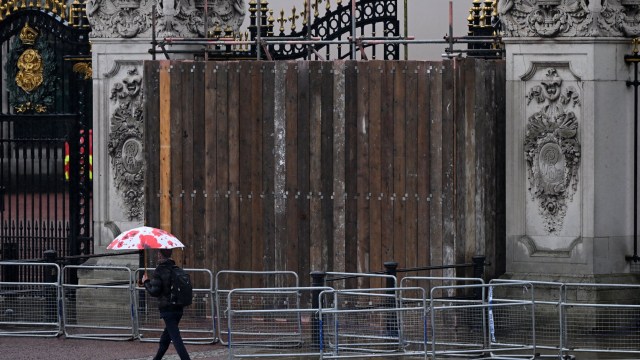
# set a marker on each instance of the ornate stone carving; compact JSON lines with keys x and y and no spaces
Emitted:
{"x":125,"y":142}
{"x":175,"y":18}
{"x":544,"y":18}
{"x":568,"y":18}
{"x":620,"y":18}
{"x":552,"y":147}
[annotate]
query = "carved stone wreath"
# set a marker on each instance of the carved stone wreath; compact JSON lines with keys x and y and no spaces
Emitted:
{"x":552,"y":148}
{"x":125,"y":142}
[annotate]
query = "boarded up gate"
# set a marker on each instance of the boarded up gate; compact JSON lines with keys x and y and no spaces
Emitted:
{"x":336,"y":166}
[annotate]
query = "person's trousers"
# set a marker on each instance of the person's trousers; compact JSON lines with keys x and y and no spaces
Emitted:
{"x":170,"y":334}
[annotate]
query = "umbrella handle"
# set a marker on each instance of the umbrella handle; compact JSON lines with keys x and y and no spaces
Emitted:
{"x":145,"y":261}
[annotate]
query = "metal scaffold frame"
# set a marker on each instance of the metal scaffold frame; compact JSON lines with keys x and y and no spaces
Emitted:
{"x":227,"y":42}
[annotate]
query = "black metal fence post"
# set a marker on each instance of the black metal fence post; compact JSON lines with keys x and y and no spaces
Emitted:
{"x":391,"y":268}
{"x":51,"y":277}
{"x":10,"y":252}
{"x":317,"y":280}
{"x":478,"y":272}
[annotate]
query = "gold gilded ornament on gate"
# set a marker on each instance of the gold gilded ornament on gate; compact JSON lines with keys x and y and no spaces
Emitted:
{"x":29,"y":76}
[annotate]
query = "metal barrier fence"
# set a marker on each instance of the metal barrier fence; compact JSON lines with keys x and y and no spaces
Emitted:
{"x":30,"y":308}
{"x":373,"y":323}
{"x":227,"y":280}
{"x":97,"y":309}
{"x":548,"y":314}
{"x":270,"y":322}
{"x":459,"y":317}
{"x":484,"y":326}
{"x":601,"y":318}
{"x":197,"y":324}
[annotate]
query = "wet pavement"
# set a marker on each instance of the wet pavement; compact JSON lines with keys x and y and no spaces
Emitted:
{"x":61,"y":348}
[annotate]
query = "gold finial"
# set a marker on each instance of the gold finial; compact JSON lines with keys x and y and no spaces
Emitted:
{"x":282,"y":20}
{"x":328,"y":6}
{"x":635,"y":42}
{"x":315,"y":8}
{"x":339,"y":2}
{"x":494,"y":6}
{"x":28,"y":35}
{"x":293,"y":18}
{"x":303,"y":13}
{"x":270,"y":20}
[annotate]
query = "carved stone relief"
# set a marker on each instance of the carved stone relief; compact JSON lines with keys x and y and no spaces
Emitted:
{"x":552,"y":147}
{"x":569,"y":18}
{"x":175,"y":18}
{"x":126,"y":142}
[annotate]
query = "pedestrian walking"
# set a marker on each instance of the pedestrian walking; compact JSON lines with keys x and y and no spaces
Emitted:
{"x":160,"y":286}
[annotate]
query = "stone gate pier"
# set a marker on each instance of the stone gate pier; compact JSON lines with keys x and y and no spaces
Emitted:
{"x":570,"y":143}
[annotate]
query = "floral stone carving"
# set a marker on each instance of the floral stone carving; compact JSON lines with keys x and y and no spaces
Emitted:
{"x":175,"y":18}
{"x":569,"y":18}
{"x":125,"y":142}
{"x":552,"y":148}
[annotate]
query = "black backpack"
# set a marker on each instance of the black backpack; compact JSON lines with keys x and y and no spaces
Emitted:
{"x":181,"y":288}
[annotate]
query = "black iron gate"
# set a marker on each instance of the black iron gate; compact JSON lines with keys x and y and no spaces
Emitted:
{"x":45,"y":136}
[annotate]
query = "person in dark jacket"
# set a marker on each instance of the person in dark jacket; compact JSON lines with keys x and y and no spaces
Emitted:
{"x":160,"y":286}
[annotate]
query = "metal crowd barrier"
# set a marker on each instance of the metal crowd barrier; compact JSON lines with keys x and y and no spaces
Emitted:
{"x":547,"y":298}
{"x":270,"y":322}
{"x":197,"y":324}
{"x":30,"y":308}
{"x":373,"y":323}
{"x":488,"y":327}
{"x":227,"y":280}
{"x":601,"y":318}
{"x":97,"y":309}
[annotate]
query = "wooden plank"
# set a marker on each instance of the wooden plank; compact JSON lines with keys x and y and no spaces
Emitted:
{"x":338,"y":161}
{"x":291,"y":113}
{"x":469,"y":162}
{"x":351,"y":171}
{"x":199,"y":156}
{"x":245,"y":131}
{"x":152,"y":142}
{"x":304,"y":135}
{"x":326,"y":154}
{"x":187,"y":163}
{"x":425,"y":77}
{"x":386,"y":162}
{"x":448,"y":159}
{"x":257,"y":152}
{"x":210,"y":157}
{"x":460,"y":176}
{"x":165,"y":145}
{"x":268,"y":170}
{"x":435,"y":169}
{"x":222,"y":166}
{"x":315,"y":169}
{"x":236,"y":252}
{"x":375,"y":172}
{"x":411,"y":140}
{"x":280,"y":147}
{"x":363,"y":71}
{"x":177,"y":76}
{"x":399,"y":235}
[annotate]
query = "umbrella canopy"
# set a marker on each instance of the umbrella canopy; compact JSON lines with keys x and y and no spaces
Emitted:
{"x":144,"y":237}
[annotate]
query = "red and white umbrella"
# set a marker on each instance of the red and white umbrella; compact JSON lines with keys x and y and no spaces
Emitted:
{"x":145,"y":237}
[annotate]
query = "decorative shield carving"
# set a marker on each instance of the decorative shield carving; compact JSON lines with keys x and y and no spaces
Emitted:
{"x":552,"y":148}
{"x":125,"y":142}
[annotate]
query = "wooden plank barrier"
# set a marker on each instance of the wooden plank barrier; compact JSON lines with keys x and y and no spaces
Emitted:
{"x":336,"y":166}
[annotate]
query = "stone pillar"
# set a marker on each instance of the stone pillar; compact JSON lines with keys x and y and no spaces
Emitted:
{"x":118,"y":136}
{"x":569,"y":158}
